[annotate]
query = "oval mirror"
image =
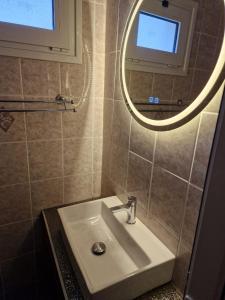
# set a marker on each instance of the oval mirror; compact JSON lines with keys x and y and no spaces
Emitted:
{"x":172,"y":59}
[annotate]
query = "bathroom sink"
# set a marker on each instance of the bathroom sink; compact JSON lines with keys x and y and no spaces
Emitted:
{"x":132,"y":261}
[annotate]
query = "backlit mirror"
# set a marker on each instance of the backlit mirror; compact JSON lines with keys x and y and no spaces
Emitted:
{"x":172,"y":59}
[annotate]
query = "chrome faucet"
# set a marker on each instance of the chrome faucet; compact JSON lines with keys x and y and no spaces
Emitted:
{"x":129,"y":207}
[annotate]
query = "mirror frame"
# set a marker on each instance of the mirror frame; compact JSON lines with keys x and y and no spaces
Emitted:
{"x":213,"y":84}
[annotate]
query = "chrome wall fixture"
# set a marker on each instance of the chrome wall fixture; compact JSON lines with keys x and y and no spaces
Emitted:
{"x":59,"y":100}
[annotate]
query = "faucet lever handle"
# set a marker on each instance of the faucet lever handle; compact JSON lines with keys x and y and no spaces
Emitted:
{"x":132,"y":200}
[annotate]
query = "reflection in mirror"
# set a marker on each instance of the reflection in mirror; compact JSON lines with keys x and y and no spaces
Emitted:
{"x":172,"y":49}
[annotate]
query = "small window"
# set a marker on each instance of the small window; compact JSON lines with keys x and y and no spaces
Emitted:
{"x":43,"y":29}
{"x":161,"y":37}
{"x":158,"y":33}
{"x":28,"y":13}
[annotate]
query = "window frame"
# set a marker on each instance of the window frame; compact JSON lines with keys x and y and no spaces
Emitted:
{"x":177,"y":30}
{"x":160,"y":61}
{"x":64,"y":44}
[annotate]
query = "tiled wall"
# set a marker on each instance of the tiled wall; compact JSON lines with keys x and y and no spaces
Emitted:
{"x":47,"y":158}
{"x":165,"y":170}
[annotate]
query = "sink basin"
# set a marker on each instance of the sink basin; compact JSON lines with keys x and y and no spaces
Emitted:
{"x":134,"y":262}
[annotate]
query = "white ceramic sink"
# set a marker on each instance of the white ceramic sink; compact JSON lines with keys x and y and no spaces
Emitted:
{"x":134,"y":262}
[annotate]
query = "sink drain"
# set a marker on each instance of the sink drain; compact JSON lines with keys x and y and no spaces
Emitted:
{"x":98,"y":248}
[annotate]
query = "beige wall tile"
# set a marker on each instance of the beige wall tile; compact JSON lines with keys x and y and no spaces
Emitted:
{"x":206,"y":52}
{"x":53,"y":72}
{"x":110,"y":69}
{"x":204,"y":143}
{"x":98,"y":117}
{"x":191,"y":216}
{"x":16,"y":131}
{"x":35,"y":77}
{"x":77,"y":188}
{"x":45,"y":159}
{"x":118,"y":93}
{"x":181,"y":268}
{"x":106,"y":187}
{"x":125,"y":7}
{"x":142,"y":140}
{"x":121,"y":124}
{"x":98,"y":75}
{"x":43,"y":125}
{"x":72,"y":79}
{"x":174,"y":152}
{"x":167,"y":199}
{"x":162,"y":232}
{"x":15,"y":239}
{"x":13,"y":163}
{"x":77,"y":156}
{"x":80,"y":123}
{"x":182,"y":87}
{"x":199,"y":80}
{"x":140,"y":86}
{"x":15,"y":204}
{"x":138,"y":178}
{"x":211,"y":20}
{"x":162,"y":86}
{"x":97,"y":185}
{"x":118,"y":169}
{"x":45,"y":194}
{"x":10,"y":83}
{"x":108,"y":118}
{"x":99,"y":38}
{"x":97,"y":154}
{"x":88,"y":25}
{"x":194,"y":49}
{"x":111,"y":25}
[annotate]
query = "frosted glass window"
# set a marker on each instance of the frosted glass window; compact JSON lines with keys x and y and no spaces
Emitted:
{"x":158,"y":33}
{"x":33,"y":13}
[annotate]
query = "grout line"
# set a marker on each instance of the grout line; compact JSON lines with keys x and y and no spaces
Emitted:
{"x":195,"y":62}
{"x":173,"y":174}
{"x":151,"y":177}
{"x":62,"y":135}
{"x":195,"y":147}
{"x":80,"y":174}
{"x":27,"y":158}
{"x":45,"y":179}
{"x":43,"y":140}
{"x":13,"y":184}
{"x":47,"y":140}
{"x":16,"y":142}
{"x":113,"y":108}
{"x":128,"y":155}
{"x":143,"y":158}
{"x":189,"y":182}
{"x":28,"y":170}
{"x":93,"y":87}
{"x":197,"y":187}
{"x":92,"y":167}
